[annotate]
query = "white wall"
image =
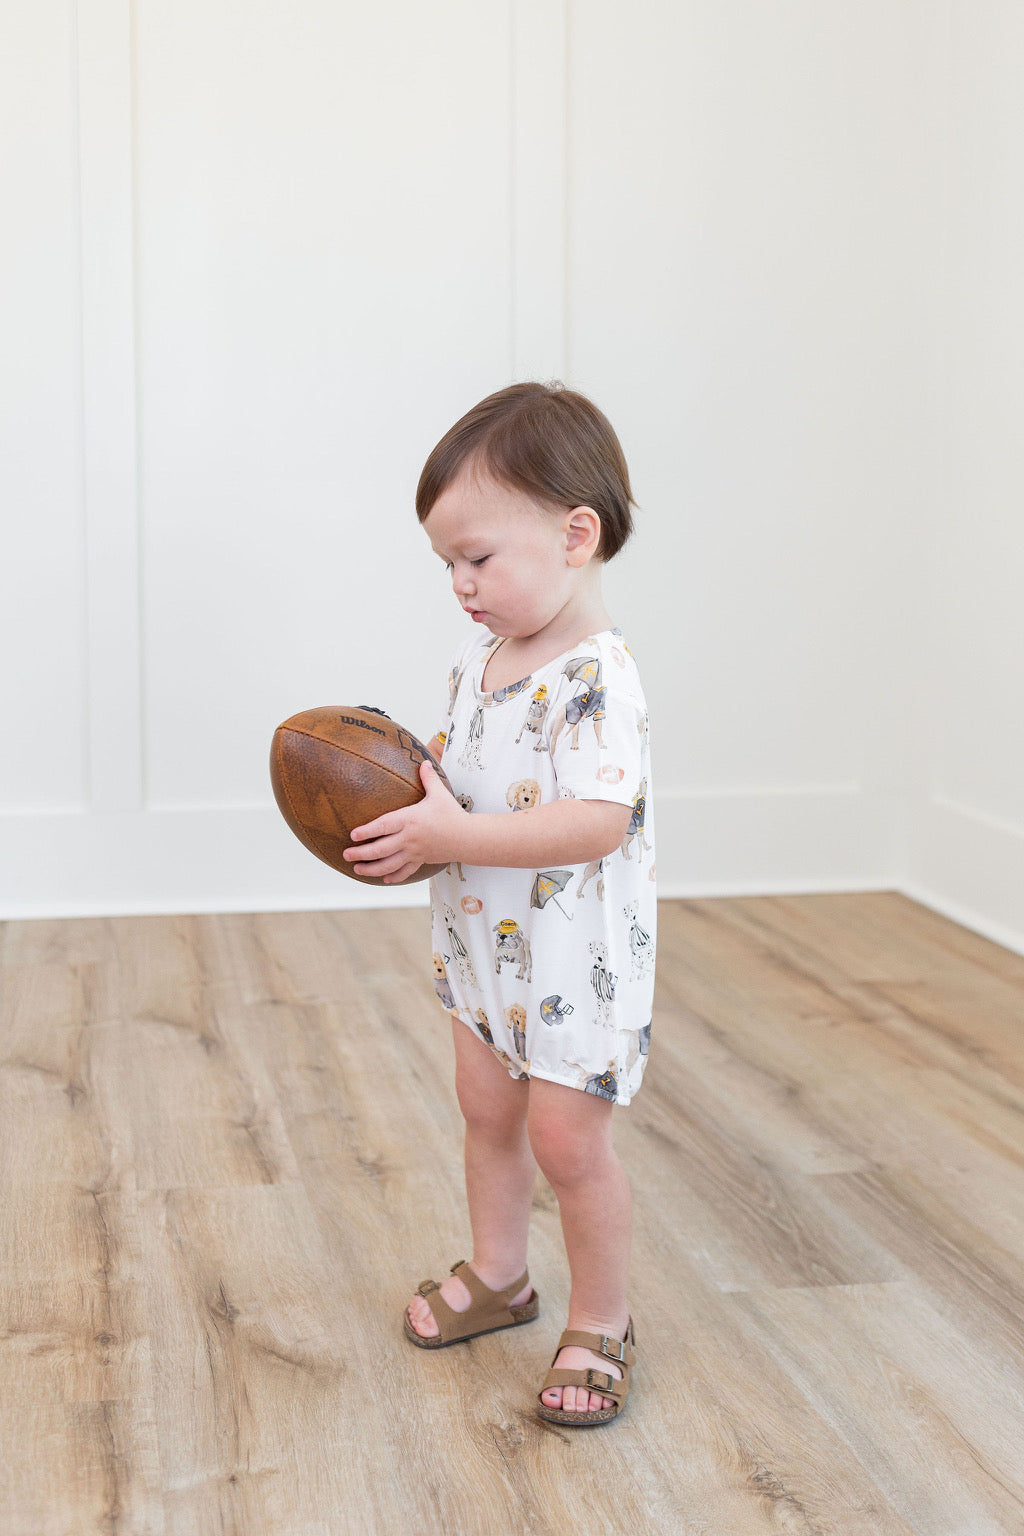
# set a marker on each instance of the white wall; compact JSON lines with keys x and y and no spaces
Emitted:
{"x":267,"y":254}
{"x":749,"y":226}
{"x":966,"y":848}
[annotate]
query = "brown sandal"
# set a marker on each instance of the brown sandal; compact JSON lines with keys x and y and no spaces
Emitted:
{"x":488,"y":1311}
{"x":619,"y":1350}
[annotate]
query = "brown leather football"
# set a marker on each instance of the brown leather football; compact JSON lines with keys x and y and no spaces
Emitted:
{"x":335,"y":768}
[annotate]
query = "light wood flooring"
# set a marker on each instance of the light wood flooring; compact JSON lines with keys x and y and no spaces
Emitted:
{"x":230,"y":1149}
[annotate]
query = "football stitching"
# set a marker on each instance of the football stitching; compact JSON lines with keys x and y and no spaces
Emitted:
{"x":311,"y":736}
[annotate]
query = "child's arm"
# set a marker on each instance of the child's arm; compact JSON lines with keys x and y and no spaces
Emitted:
{"x":438,"y":831}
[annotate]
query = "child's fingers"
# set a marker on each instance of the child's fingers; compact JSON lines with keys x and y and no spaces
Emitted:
{"x":401,"y":874}
{"x":372,"y":853}
{"x":382,"y":868}
{"x":379,"y":828}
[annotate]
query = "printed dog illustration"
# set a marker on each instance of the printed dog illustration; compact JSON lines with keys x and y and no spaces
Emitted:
{"x":604,"y":1084}
{"x":641,"y":945}
{"x":469,"y":757}
{"x":459,"y":950}
{"x":454,"y":678}
{"x":483,"y":1025}
{"x":523,"y":795}
{"x":442,"y":986}
{"x":516,"y":1016}
{"x":535,"y":718}
{"x":637,"y":1043}
{"x":636,"y":825}
{"x":517,"y":1068}
{"x":596,"y":868}
{"x":512,"y":948}
{"x":603,"y":983}
{"x":588,"y":705}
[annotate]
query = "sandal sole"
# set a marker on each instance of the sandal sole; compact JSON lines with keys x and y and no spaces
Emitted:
{"x":579,"y":1420}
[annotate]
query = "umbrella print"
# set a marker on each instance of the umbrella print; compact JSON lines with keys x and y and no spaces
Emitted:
{"x":546,"y":887}
{"x":584,"y":669}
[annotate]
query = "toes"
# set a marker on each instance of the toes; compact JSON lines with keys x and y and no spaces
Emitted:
{"x":421,"y":1318}
{"x":577,"y":1399}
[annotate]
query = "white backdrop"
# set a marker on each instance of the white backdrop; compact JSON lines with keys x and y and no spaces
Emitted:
{"x":263,"y":255}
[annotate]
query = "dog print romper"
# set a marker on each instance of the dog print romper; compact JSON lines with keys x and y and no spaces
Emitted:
{"x":553,"y":968}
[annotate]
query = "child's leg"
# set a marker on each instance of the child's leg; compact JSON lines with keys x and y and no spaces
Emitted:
{"x":570,"y":1133}
{"x":500,"y":1174}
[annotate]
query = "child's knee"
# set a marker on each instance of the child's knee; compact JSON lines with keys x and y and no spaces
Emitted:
{"x":498,"y":1114}
{"x":499,"y":1123}
{"x":563,"y":1154}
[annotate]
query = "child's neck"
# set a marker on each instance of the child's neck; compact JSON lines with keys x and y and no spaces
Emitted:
{"x":524,"y":654}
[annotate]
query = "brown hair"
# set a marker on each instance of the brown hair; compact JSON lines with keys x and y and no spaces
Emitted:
{"x":545,"y":440}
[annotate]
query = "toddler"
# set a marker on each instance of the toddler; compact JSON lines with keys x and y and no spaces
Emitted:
{"x":544,"y":917}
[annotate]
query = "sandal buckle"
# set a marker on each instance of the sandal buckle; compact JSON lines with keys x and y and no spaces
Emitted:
{"x":604,"y":1385}
{"x":620,"y":1345}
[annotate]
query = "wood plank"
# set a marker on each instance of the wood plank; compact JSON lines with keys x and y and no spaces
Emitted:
{"x":231,"y":1148}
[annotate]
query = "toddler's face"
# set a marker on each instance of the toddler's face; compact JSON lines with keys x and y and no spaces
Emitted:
{"x":506,"y":555}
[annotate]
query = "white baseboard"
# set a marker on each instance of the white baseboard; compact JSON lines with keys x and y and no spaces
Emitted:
{"x":969,"y":867}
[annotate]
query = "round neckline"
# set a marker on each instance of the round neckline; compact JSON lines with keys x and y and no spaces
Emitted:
{"x":511,"y":689}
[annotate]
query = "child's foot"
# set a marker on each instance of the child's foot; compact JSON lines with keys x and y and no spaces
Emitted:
{"x":573,"y":1358}
{"x":458,"y":1298}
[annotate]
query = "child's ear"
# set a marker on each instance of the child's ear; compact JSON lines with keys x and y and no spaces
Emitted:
{"x":582,"y":535}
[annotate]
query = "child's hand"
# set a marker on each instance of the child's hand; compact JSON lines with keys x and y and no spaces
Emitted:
{"x":395,"y":845}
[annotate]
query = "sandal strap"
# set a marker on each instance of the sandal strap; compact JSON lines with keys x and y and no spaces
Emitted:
{"x":482,"y":1294}
{"x":486,"y":1307}
{"x":611,"y":1348}
{"x":594,"y":1381}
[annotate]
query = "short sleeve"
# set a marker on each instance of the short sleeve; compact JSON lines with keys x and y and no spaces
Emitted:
{"x":597,"y":743}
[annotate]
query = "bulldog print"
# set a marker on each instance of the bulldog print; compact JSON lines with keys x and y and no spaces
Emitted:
{"x":512,"y":948}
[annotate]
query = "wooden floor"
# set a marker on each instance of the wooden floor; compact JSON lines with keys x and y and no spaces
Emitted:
{"x":230,"y":1149}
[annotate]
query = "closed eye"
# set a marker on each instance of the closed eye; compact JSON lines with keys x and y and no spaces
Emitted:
{"x":483,"y":559}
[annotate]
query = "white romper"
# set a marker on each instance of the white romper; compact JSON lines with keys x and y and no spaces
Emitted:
{"x":553,"y":968}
